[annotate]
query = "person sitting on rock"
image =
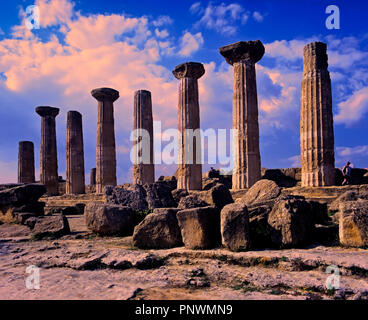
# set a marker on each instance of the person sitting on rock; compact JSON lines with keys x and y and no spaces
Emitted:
{"x":346,"y":172}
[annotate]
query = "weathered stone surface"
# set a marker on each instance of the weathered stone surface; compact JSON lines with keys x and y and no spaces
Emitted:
{"x":48,"y":150}
{"x":291,"y":223}
{"x":26,"y":165}
{"x":192,"y":201}
{"x":200,"y":227}
{"x":251,"y":51}
{"x":316,"y":119}
{"x":166,"y":210}
{"x":92,"y":177}
{"x":133,"y":197}
{"x":189,"y":172}
{"x":246,"y":155}
{"x":219,"y":196}
{"x":143,"y":162}
{"x":259,"y":229}
{"x":158,"y":231}
{"x":75,"y":180}
{"x":235,"y":227}
{"x":51,"y":227}
{"x":347,"y":196}
{"x":178,"y":194}
{"x":158,"y":195}
{"x":353,"y":226}
{"x":263,"y":190}
{"x":109,"y":219}
{"x":105,"y":146}
{"x":21,"y":195}
{"x":286,"y":178}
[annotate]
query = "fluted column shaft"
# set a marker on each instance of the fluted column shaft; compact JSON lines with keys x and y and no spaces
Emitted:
{"x":246,"y":155}
{"x":316,"y":119}
{"x":143,"y":171}
{"x":190,"y":159}
{"x":243,"y":56}
{"x":48,"y":150}
{"x":75,"y":178}
{"x":26,"y":166}
{"x":105,"y":146}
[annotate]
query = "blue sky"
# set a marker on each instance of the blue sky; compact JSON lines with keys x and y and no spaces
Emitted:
{"x":132,"y":45}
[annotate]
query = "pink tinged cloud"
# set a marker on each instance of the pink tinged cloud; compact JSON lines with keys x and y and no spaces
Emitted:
{"x":352,"y":109}
{"x":190,"y":43}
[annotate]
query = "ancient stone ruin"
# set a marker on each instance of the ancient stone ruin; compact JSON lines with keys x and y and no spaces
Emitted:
{"x":105,"y":145}
{"x":48,"y":150}
{"x":74,"y":154}
{"x":190,"y":166}
{"x":316,"y":119}
{"x":253,"y":209}
{"x":26,"y":163}
{"x":143,"y":172}
{"x":246,"y":156}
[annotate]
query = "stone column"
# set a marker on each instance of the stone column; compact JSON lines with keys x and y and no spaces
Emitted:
{"x":48,"y":151}
{"x":105,"y":146}
{"x":316,"y":120}
{"x":190,"y":166}
{"x":246,"y":156}
{"x":26,"y":167}
{"x":143,"y":124}
{"x":92,"y":178}
{"x":75,"y":183}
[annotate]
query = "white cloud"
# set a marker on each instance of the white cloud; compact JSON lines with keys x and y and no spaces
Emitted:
{"x":190,"y":43}
{"x":161,"y":34}
{"x":222,"y":18}
{"x":352,"y":151}
{"x":352,"y":109}
{"x":294,"y":161}
{"x":195,"y":7}
{"x":162,"y":21}
{"x":257,"y":16}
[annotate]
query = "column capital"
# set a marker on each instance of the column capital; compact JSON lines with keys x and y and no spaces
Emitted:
{"x":248,"y":51}
{"x":44,"y":111}
{"x":105,"y":94}
{"x":193,"y":70}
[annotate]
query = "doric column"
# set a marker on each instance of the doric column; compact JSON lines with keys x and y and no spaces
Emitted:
{"x":143,"y":172}
{"x":48,"y":151}
{"x":92,"y":178}
{"x":190,"y":162}
{"x":105,"y":146}
{"x":316,"y":119}
{"x":26,"y":167}
{"x":246,"y":156}
{"x":75,"y":183}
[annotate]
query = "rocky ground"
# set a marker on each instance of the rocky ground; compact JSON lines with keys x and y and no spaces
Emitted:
{"x":83,"y":266}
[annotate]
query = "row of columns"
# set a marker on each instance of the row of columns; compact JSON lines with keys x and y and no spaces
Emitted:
{"x":316,"y":128}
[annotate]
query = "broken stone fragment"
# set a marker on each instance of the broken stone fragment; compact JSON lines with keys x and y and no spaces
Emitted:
{"x":200,"y":227}
{"x":235,"y":227}
{"x":353,"y":226}
{"x":109,"y":219}
{"x":158,"y":231}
